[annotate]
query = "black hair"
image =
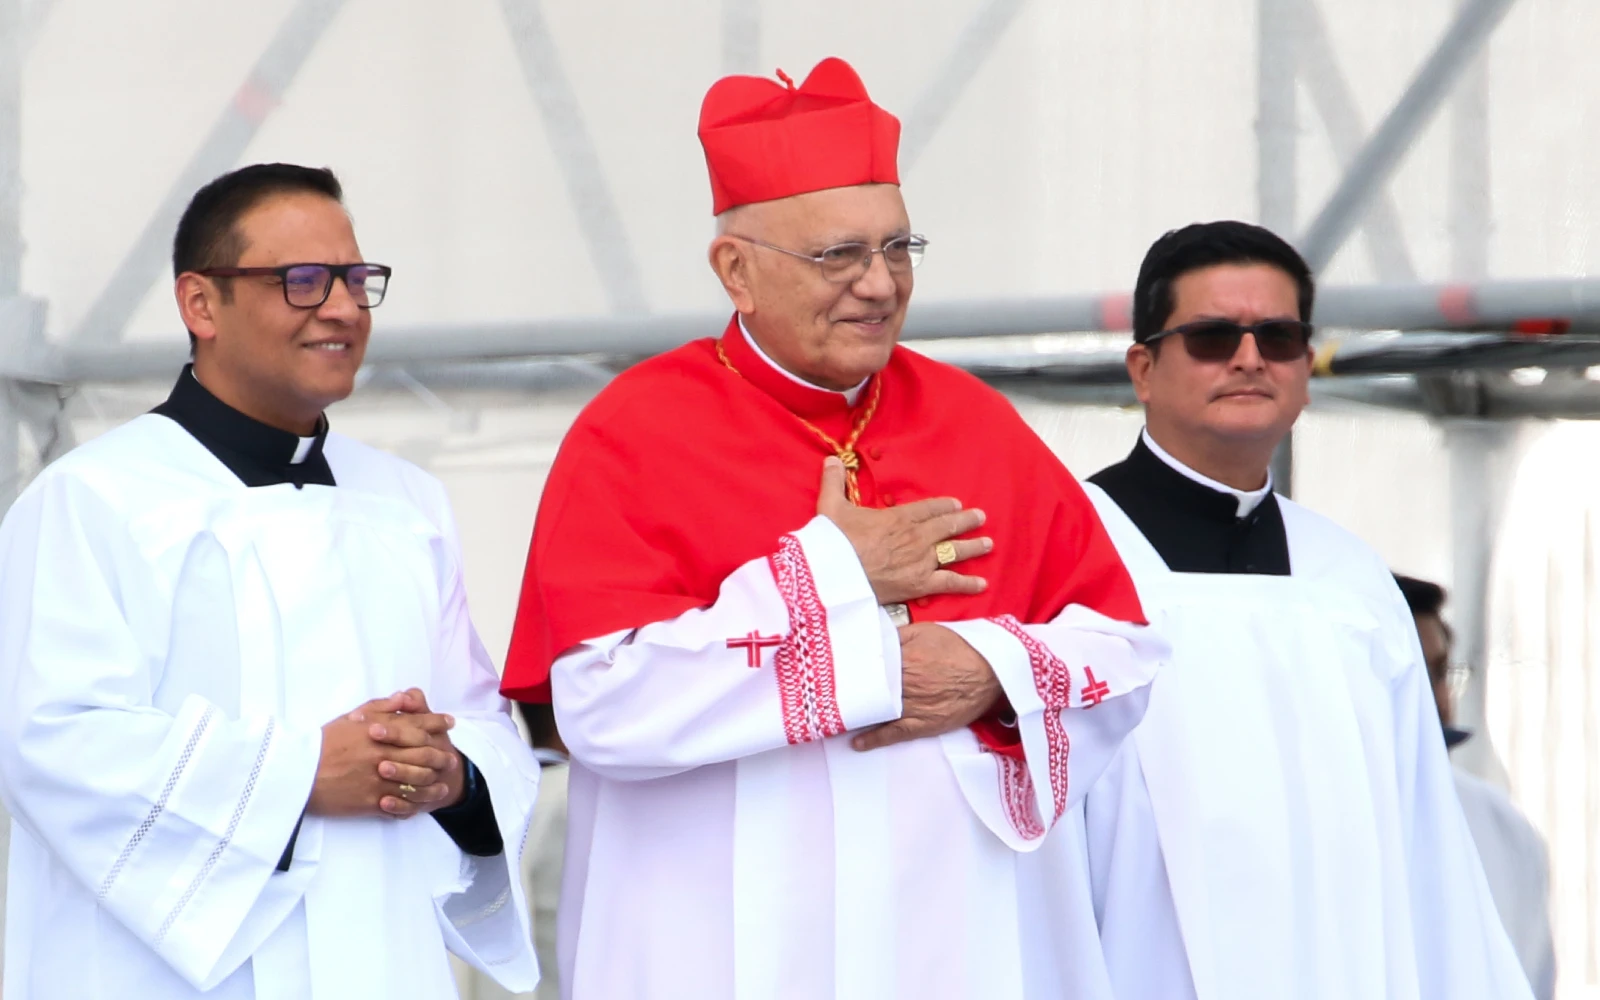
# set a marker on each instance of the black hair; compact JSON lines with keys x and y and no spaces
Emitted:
{"x":1422,"y":597}
{"x":1206,"y":244}
{"x":208,"y":233}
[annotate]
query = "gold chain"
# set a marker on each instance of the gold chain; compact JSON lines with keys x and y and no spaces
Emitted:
{"x":847,"y":451}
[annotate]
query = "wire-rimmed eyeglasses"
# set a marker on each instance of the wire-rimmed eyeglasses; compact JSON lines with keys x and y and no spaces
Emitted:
{"x":307,"y":286}
{"x":844,"y":262}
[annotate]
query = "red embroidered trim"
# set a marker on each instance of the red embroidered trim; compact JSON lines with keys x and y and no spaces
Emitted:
{"x":1054,"y":683}
{"x":1016,"y":796}
{"x":804,"y":661}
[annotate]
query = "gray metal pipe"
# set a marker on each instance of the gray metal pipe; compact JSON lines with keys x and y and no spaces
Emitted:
{"x":1371,"y":168}
{"x":1487,"y":306}
{"x":230,"y":135}
{"x":10,"y":148}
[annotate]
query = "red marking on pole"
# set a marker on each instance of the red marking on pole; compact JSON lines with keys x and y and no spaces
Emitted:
{"x":1116,"y":312}
{"x":753,"y":644}
{"x":1456,"y":305}
{"x":254,"y":101}
{"x":1552,"y":326}
{"x":1094,"y":692}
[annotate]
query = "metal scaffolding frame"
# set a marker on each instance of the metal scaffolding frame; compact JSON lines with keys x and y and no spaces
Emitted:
{"x":238,"y":122}
{"x":599,"y":219}
{"x":1294,"y":49}
{"x":1370,"y":169}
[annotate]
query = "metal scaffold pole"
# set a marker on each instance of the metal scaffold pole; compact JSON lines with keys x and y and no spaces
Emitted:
{"x":10,"y":287}
{"x":1276,"y":142}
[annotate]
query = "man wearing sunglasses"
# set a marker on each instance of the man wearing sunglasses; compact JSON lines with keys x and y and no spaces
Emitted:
{"x":815,"y":731}
{"x":1283,"y":822}
{"x":189,"y":600}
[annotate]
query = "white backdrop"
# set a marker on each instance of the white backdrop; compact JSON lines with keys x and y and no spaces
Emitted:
{"x":1085,"y":130}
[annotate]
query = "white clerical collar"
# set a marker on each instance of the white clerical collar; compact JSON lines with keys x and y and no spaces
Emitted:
{"x":302,"y":449}
{"x":850,"y":395}
{"x":1249,"y":500}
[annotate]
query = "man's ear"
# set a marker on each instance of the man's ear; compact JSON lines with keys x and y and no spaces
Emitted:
{"x":198,"y":299}
{"x":1140,"y":360}
{"x":730,"y":259}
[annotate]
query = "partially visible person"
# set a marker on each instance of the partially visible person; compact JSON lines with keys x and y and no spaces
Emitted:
{"x":542,"y":854}
{"x":1514,"y":855}
{"x":249,"y":739}
{"x":1283,"y":822}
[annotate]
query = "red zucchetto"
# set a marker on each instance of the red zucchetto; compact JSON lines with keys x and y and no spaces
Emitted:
{"x":765,"y":141}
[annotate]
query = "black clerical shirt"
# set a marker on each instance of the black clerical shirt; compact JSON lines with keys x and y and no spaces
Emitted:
{"x":1192,"y":527}
{"x":262,"y":455}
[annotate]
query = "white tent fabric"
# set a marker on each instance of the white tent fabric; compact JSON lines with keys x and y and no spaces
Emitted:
{"x":1048,"y":143}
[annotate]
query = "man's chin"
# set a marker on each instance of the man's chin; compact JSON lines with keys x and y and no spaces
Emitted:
{"x":326,"y":392}
{"x":1236,"y":424}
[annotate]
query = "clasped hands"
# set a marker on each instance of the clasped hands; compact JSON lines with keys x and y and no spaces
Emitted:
{"x":389,"y":757}
{"x":945,"y":683}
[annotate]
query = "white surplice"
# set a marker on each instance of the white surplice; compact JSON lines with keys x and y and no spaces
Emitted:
{"x":1517,"y":865}
{"x":709,"y":858}
{"x":171,"y":643}
{"x":1284,"y":822}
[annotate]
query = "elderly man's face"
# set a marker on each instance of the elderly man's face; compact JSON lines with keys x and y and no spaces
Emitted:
{"x":833,"y":334}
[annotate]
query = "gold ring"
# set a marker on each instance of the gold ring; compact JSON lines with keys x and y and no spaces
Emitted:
{"x":407,"y":790}
{"x":945,"y":552}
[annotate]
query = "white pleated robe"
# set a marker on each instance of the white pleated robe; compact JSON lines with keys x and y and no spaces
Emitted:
{"x":709,"y":856}
{"x":171,"y":643}
{"x":1284,"y":821}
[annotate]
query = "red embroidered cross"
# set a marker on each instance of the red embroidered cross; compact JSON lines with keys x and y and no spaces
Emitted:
{"x":1094,"y":692}
{"x":753,"y":644}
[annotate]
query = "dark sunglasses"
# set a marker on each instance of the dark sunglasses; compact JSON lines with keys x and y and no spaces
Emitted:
{"x":1219,"y":339}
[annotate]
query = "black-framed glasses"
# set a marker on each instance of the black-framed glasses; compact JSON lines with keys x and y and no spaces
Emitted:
{"x":844,"y":262}
{"x":1219,"y":339}
{"x":307,"y":286}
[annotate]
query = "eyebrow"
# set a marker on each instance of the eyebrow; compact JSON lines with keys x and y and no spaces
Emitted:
{"x":1205,"y":317}
{"x":823,"y":243}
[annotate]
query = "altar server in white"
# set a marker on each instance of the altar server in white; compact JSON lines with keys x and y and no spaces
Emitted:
{"x":1284,"y":821}
{"x":1515,"y":858}
{"x":228,"y":641}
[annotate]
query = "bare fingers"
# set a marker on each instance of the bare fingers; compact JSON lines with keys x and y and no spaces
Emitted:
{"x":927,"y":510}
{"x":946,"y":581}
{"x":431,"y":757}
{"x":410,"y":730}
{"x":890,"y":733}
{"x":406,"y":774}
{"x":954,"y":523}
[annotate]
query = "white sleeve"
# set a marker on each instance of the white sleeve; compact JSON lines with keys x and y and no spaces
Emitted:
{"x":795,"y":649}
{"x":487,"y":922}
{"x":176,"y":820}
{"x":1078,"y":686}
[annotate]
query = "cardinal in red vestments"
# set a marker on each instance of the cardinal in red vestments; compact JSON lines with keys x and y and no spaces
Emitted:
{"x":831,"y":635}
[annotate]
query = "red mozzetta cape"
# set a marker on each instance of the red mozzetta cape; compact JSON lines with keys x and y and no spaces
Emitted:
{"x":682,"y":470}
